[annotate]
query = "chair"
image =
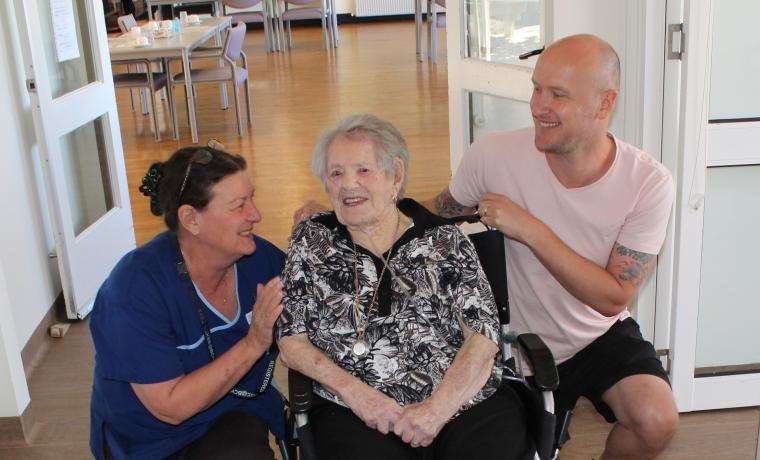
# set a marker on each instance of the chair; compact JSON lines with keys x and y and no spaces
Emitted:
{"x":231,"y":53}
{"x":126,"y":23}
{"x":252,"y":16}
{"x":321,"y":12}
{"x":436,"y":20}
{"x":150,"y":80}
{"x":535,"y":391}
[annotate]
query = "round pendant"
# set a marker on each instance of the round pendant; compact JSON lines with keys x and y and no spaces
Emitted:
{"x":360,"y":348}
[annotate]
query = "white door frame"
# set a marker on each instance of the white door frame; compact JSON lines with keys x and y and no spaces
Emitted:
{"x":669,"y":139}
{"x":86,"y":258}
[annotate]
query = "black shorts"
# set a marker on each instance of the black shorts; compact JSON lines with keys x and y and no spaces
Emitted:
{"x":493,"y":429}
{"x":618,"y":353}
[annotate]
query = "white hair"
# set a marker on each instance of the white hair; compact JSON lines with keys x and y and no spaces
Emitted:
{"x":388,"y":144}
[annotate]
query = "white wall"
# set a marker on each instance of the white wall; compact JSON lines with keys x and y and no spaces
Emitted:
{"x":14,"y":393}
{"x":345,"y":6}
{"x":25,"y":240}
{"x":621,"y":23}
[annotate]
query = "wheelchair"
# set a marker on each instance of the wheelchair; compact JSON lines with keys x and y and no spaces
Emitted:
{"x":547,"y":433}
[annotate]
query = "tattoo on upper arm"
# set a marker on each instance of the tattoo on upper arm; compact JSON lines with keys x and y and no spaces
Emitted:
{"x":447,"y":206}
{"x":633,"y":266}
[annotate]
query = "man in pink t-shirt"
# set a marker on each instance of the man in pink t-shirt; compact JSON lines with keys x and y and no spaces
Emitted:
{"x":584,"y":215}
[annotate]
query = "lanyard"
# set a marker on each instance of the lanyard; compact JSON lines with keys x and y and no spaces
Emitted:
{"x":184,"y":277}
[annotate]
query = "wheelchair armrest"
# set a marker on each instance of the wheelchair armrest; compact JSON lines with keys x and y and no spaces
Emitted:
{"x":301,"y":392}
{"x":541,"y":360}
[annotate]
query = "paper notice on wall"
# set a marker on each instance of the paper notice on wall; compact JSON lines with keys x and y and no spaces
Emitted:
{"x":64,"y":29}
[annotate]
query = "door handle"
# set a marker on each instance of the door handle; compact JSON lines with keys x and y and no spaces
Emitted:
{"x":672,"y":30}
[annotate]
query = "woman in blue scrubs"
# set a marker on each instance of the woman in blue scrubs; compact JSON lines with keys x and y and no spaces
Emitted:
{"x":182,"y":327}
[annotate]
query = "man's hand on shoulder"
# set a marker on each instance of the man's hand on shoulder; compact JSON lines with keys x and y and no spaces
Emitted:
{"x":310,"y":208}
{"x":445,"y":205}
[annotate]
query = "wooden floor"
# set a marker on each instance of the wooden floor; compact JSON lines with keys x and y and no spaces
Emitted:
{"x":295,"y":96}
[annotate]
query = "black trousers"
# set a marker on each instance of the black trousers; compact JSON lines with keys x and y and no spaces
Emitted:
{"x":494,"y":429}
{"x":235,"y":435}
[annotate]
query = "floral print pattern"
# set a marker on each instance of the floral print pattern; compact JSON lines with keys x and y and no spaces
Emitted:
{"x":435,"y":282}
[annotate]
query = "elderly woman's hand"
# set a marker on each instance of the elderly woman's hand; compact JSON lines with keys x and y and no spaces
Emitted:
{"x":266,"y":310}
{"x":307,"y":210}
{"x":420,"y":423}
{"x":376,"y":410}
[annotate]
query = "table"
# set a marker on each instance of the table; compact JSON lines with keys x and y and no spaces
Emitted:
{"x":218,"y":8}
{"x":176,"y":46}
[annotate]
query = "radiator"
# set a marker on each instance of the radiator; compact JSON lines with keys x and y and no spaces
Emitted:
{"x":366,"y":8}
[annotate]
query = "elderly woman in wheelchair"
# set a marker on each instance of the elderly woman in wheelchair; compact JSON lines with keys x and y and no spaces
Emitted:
{"x":387,"y":309}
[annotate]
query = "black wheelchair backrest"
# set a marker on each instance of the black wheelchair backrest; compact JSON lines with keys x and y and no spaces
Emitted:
{"x":489,"y":244}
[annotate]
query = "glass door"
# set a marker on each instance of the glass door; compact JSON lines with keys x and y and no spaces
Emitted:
{"x":489,"y":86}
{"x":717,"y":347}
{"x":74,"y":107}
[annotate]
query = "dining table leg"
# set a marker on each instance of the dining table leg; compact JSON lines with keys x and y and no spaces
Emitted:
{"x":431,"y":43}
{"x":218,"y":42}
{"x":418,"y":29}
{"x":172,"y":99}
{"x":280,"y":28}
{"x":334,"y":18}
{"x":221,"y":64}
{"x":190,"y":96}
{"x":277,"y":19}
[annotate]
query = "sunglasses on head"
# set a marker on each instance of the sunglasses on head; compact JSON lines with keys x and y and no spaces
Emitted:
{"x":201,"y":157}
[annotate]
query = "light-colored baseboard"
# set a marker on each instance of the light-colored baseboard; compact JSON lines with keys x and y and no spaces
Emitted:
{"x":16,"y":431}
{"x":39,"y":342}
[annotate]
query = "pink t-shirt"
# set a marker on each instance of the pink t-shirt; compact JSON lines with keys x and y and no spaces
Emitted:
{"x":630,"y":204}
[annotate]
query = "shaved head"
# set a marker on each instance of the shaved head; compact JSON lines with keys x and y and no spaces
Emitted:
{"x":597,"y":55}
{"x":575,"y":87}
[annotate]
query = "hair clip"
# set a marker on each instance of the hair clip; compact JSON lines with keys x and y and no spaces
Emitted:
{"x":150,"y":184}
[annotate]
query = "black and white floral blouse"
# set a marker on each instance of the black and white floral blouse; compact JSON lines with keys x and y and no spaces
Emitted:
{"x":414,"y":331}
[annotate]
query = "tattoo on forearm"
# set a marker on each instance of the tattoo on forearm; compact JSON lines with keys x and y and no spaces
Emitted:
{"x":447,"y":206}
{"x":634,"y":265}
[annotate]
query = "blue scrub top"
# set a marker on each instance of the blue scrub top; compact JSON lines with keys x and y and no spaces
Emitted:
{"x":146,"y":329}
